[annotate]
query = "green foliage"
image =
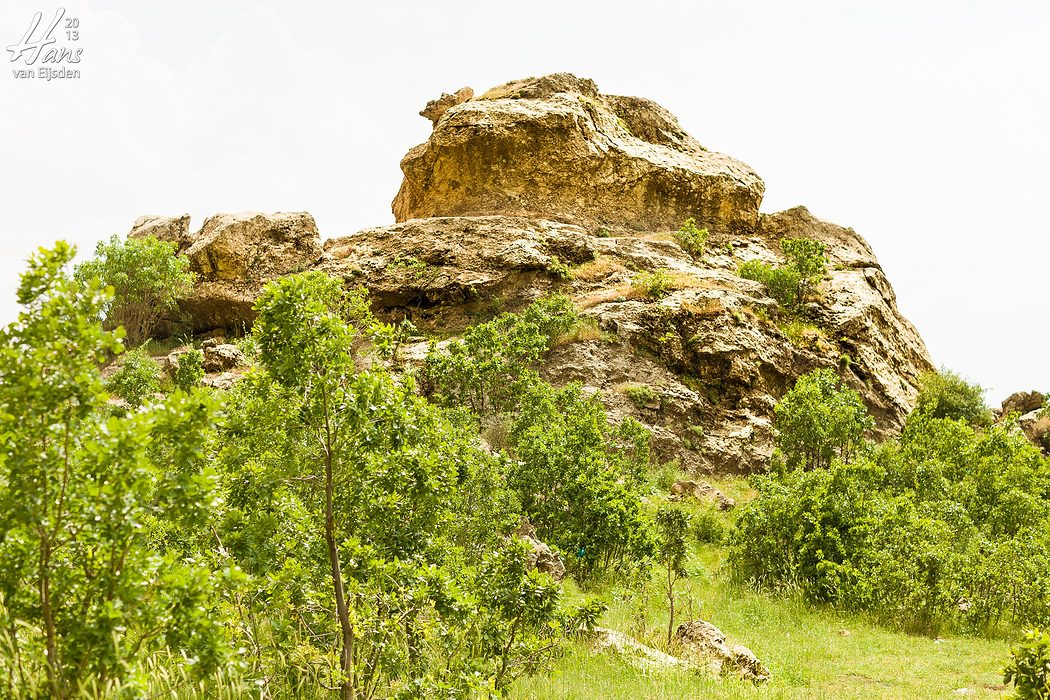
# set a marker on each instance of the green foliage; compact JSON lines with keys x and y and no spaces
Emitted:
{"x":672,"y":530}
{"x":491,"y":366}
{"x":791,"y":285}
{"x":579,"y":480}
{"x":945,"y":394}
{"x":189,"y":369}
{"x":652,"y":285}
{"x":138,"y":378}
{"x":820,"y":419}
{"x":808,"y":258}
{"x":947,"y":525}
{"x":85,"y":596}
{"x":781,"y":283}
{"x":708,"y":527}
{"x":641,"y":395}
{"x":147,"y":279}
{"x":692,"y":239}
{"x":1029,"y":667}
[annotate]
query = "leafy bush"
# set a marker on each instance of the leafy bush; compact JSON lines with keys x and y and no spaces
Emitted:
{"x":820,"y":419}
{"x":945,"y":525}
{"x":641,"y":395}
{"x":491,"y":366}
{"x":693,"y":240}
{"x":781,"y":283}
{"x":189,"y":369}
{"x":137,"y":379}
{"x":708,"y":527}
{"x":807,"y":258}
{"x":791,"y":285}
{"x":652,"y":285}
{"x":945,"y":394}
{"x":148,"y":280}
{"x":579,"y":480}
{"x":1029,"y":668}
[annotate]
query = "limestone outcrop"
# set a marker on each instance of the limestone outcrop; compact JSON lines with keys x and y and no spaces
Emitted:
{"x":546,"y":184}
{"x":555,"y":148}
{"x":233,"y":256}
{"x":703,"y":643}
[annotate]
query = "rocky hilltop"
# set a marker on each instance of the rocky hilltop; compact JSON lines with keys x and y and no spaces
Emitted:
{"x":546,"y":184}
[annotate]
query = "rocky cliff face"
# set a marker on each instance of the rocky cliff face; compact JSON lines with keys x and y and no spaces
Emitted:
{"x":546,"y":184}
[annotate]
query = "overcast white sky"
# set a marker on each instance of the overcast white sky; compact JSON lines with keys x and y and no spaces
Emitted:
{"x":923,"y":125}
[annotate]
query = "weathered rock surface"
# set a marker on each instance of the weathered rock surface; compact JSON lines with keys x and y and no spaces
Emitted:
{"x":633,"y":651}
{"x":555,"y":148}
{"x":219,"y":357}
{"x":172,"y":229}
{"x":234,"y":255}
{"x":435,"y":108}
{"x":703,"y":643}
{"x":541,"y":557}
{"x":545,"y":184}
{"x":1022,"y":402}
{"x":458,"y":266}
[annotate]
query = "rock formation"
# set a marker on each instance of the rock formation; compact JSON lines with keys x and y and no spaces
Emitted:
{"x":546,"y":184}
{"x":556,"y":148}
{"x":703,"y":643}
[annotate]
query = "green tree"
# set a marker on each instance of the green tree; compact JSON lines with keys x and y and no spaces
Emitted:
{"x":1029,"y":668}
{"x":820,"y":419}
{"x":808,"y":259}
{"x":147,"y":278}
{"x":945,"y":394}
{"x":85,"y":596}
{"x":672,"y":528}
{"x":137,"y":379}
{"x":579,"y":479}
{"x":189,"y":369}
{"x":691,"y":238}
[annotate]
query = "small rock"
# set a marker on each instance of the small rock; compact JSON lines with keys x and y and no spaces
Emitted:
{"x":220,"y":357}
{"x":702,"y":490}
{"x":542,"y":557}
{"x":704,"y":643}
{"x":435,"y":108}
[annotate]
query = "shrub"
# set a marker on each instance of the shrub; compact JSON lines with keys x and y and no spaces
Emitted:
{"x":189,"y":369}
{"x":641,"y":395}
{"x":781,"y":283}
{"x":693,"y":240}
{"x":579,"y":479}
{"x":491,"y":366}
{"x":808,"y":259}
{"x":652,"y":285}
{"x":791,"y":284}
{"x":945,"y":394}
{"x":820,"y":419}
{"x":1029,"y":668}
{"x":946,"y":524}
{"x":708,"y":527}
{"x":137,"y":379}
{"x":148,"y":280}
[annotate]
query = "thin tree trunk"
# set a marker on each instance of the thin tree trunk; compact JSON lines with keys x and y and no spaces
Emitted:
{"x":49,"y":617}
{"x":670,"y":600}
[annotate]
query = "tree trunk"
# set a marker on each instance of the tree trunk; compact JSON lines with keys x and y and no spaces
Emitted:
{"x":346,"y":659}
{"x":49,"y":617}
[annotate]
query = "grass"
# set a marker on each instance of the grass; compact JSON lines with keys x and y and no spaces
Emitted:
{"x":813,"y":652}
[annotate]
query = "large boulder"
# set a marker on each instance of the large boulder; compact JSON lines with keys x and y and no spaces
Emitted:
{"x":450,"y":268}
{"x":234,"y":255}
{"x":1022,"y":402}
{"x":556,"y":148}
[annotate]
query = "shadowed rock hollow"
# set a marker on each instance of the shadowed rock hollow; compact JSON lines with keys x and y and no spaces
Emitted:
{"x":546,"y":184}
